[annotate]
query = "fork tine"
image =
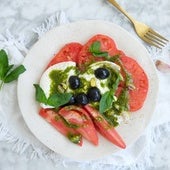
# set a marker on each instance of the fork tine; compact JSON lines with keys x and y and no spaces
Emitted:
{"x":155,"y":37}
{"x":154,"y":40}
{"x":156,"y":34}
{"x":151,"y":42}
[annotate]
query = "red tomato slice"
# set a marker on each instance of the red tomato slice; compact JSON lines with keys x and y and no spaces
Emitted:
{"x":79,"y":117}
{"x":55,"y":120}
{"x":140,"y":80}
{"x":107,"y":45}
{"x":68,"y":53}
{"x":104,"y":128}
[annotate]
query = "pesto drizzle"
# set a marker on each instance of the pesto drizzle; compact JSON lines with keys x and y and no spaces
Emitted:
{"x":58,"y":80}
{"x":121,"y":104}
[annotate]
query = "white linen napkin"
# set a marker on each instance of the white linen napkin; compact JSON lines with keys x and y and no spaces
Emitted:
{"x":14,"y":130}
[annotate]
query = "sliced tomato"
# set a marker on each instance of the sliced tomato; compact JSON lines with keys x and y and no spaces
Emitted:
{"x":107,"y":45}
{"x":56,"y":121}
{"x":68,"y":53}
{"x":140,"y":80}
{"x":104,"y":128}
{"x":79,"y":117}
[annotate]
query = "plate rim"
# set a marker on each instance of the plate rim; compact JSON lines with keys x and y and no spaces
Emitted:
{"x":86,"y":21}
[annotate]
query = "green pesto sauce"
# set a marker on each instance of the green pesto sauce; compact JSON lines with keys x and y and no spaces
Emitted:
{"x":84,"y":86}
{"x":75,"y":138}
{"x":68,"y":124}
{"x":122,"y":100}
{"x":110,"y":116}
{"x":113,"y":79}
{"x":118,"y":107}
{"x":90,"y":71}
{"x":121,"y":104}
{"x":58,"y":77}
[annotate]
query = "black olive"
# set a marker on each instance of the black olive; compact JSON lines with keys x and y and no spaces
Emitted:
{"x":101,"y":73}
{"x":72,"y":100}
{"x":82,"y":99}
{"x":94,"y":94}
{"x":74,"y":82}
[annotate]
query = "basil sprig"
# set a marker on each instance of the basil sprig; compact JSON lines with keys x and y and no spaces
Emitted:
{"x":7,"y":73}
{"x":56,"y":100}
{"x":95,"y":49}
{"x":106,"y":101}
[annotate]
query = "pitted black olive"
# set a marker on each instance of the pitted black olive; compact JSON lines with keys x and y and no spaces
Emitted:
{"x":101,"y":73}
{"x":94,"y":94}
{"x":72,"y":100}
{"x":81,"y":98}
{"x":74,"y":82}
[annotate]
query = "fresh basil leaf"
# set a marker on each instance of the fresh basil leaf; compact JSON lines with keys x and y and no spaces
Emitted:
{"x":40,"y":95}
{"x":10,"y":67}
{"x":106,"y":101}
{"x":56,"y":100}
{"x":3,"y":64}
{"x":6,"y":75}
{"x":13,"y":75}
{"x":95,"y":47}
{"x":96,"y":51}
{"x":59,"y":99}
{"x":100,"y":54}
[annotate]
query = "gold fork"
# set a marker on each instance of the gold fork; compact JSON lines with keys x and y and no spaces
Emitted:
{"x":143,"y":31}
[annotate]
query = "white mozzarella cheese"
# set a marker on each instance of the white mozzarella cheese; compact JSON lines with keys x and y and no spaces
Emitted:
{"x":45,"y":80}
{"x":105,"y":63}
{"x":99,"y":82}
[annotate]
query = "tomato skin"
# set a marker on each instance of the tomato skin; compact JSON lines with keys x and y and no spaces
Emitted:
{"x":107,"y":44}
{"x":68,"y":53}
{"x":54,"y":119}
{"x":140,"y":80}
{"x":78,"y":116}
{"x":104,"y":128}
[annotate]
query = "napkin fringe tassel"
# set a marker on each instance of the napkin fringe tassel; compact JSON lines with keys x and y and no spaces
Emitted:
{"x":59,"y":18}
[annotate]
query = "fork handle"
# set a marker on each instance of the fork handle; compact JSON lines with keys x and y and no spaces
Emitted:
{"x":113,"y":2}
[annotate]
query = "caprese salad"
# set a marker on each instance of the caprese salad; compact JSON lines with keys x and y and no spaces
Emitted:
{"x":91,"y":88}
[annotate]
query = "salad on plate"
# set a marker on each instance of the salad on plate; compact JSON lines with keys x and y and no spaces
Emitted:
{"x":91,"y":88}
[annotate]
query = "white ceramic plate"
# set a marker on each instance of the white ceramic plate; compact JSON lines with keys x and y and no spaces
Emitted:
{"x":35,"y":63}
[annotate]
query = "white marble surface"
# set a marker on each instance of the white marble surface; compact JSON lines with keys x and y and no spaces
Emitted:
{"x":21,"y":16}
